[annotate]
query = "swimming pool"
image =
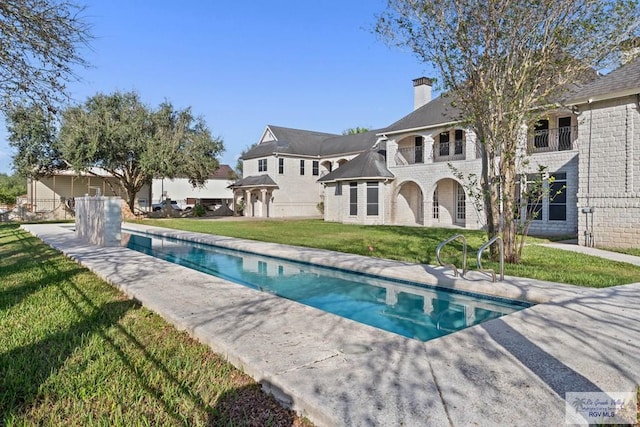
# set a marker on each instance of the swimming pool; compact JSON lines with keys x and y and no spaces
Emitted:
{"x":408,"y":309}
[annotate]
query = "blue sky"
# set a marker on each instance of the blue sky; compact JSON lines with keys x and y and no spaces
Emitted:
{"x":242,"y":65}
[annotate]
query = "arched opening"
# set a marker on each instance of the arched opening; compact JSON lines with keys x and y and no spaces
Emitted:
{"x":325,"y":167}
{"x":449,"y":203}
{"x":409,"y":204}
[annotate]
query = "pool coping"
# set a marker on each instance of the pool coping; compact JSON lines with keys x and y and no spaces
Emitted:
{"x":513,"y":370}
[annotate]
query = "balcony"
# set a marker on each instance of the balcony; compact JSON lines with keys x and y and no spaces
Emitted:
{"x":410,"y":155}
{"x":549,"y":140}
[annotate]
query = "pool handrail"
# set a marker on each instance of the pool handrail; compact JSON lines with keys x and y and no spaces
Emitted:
{"x":490,"y":270}
{"x":464,"y":254}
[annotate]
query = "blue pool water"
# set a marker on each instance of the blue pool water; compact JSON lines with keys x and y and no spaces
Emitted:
{"x":412,"y":310}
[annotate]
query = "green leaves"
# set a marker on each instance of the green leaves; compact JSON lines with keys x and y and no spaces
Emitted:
{"x":136,"y":143}
{"x":32,"y":133}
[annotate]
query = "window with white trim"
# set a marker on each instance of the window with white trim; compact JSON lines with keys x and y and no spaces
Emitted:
{"x":353,"y":198}
{"x":436,"y":205}
{"x":461,"y":204}
{"x":558,"y":197}
{"x":262,"y":165}
{"x":372,"y":198}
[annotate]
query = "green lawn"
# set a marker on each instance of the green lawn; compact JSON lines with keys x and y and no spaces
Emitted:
{"x":75,"y":351}
{"x":416,"y":244}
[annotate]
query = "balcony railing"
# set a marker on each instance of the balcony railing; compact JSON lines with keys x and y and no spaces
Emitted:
{"x":410,"y":155}
{"x":548,"y":140}
{"x":448,"y":151}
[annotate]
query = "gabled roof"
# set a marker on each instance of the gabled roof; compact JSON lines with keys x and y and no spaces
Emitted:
{"x":368,"y":165}
{"x":254,"y":181}
{"x":439,"y":111}
{"x":621,"y":82}
{"x":289,"y":141}
{"x":309,"y":143}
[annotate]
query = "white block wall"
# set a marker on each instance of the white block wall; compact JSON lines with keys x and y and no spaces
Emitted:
{"x":337,"y":207}
{"x":180,"y":190}
{"x":99,"y":220}
{"x":297,"y":195}
{"x":431,"y":174}
{"x":610,"y":173}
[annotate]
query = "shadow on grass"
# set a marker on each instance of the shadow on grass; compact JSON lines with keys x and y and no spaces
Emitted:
{"x":24,"y":369}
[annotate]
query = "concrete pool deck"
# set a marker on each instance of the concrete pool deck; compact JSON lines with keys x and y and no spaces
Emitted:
{"x":514,"y":370}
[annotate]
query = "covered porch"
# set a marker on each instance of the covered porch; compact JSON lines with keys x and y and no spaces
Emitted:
{"x":252,"y":196}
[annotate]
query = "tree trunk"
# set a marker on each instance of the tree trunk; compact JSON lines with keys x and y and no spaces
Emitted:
{"x":509,"y":232}
{"x":491,"y":194}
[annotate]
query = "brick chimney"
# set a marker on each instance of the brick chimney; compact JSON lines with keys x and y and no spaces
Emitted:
{"x":421,"y":91}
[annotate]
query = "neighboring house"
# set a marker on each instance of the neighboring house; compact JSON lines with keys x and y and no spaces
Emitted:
{"x":609,"y":146}
{"x":54,"y":194}
{"x":280,"y":173}
{"x":213,"y":195}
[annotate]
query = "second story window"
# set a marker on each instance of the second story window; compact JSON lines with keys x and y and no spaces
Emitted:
{"x":262,"y":165}
{"x":459,"y":141}
{"x":541,"y":134}
{"x":444,"y":144}
{"x":315,"y":168}
{"x":301,"y":167}
{"x":280,"y":165}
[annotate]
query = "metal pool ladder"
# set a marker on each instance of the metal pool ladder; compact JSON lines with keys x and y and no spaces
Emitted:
{"x":489,"y":270}
{"x":464,"y":254}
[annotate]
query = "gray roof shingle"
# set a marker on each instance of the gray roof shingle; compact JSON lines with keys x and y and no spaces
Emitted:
{"x":370,"y":164}
{"x":310,"y":143}
{"x":438,"y":111}
{"x":254,"y":181}
{"x":622,"y":80}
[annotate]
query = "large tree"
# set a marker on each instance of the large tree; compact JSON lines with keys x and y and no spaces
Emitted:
{"x":135,"y":143}
{"x":503,"y":62}
{"x":40,"y":43}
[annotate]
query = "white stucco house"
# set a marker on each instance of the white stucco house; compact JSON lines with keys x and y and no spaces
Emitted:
{"x":401,"y":174}
{"x":280,"y":173}
{"x":214,"y":194}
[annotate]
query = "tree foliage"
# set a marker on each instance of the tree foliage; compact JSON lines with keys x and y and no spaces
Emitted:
{"x":11,"y":186}
{"x":40,"y":46}
{"x":502,"y":62}
{"x":355,"y":130}
{"x":134,"y":143}
{"x":32,"y":134}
